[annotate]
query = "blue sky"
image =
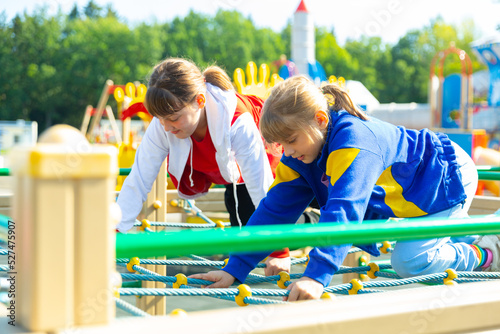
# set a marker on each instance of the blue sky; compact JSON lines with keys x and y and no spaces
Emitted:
{"x":389,"y":19}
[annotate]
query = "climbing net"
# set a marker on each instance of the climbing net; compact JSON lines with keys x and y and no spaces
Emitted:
{"x":383,"y":279}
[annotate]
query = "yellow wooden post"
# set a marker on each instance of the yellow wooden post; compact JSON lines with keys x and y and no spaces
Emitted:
{"x":65,"y":213}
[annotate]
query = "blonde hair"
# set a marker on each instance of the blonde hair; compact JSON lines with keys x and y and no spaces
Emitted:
{"x":175,"y":82}
{"x":293,"y":104}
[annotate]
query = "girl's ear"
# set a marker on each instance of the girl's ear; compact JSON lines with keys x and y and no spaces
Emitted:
{"x":322,"y":119}
{"x":200,"y":99}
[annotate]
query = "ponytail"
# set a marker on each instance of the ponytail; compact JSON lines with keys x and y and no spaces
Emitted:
{"x":218,"y":77}
{"x":293,"y":105}
{"x":338,"y":99}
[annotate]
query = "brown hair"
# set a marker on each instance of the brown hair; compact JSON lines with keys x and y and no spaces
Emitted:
{"x":175,"y":82}
{"x":293,"y":104}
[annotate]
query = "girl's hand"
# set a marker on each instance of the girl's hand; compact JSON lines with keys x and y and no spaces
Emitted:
{"x":303,"y":289}
{"x":275,"y":265}
{"x":220,"y":278}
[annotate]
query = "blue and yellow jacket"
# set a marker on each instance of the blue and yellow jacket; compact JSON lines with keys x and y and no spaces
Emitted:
{"x":366,"y":170}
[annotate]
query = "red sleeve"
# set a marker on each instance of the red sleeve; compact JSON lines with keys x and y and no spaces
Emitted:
{"x":281,"y":253}
{"x":253,"y":105}
{"x":248,"y":103}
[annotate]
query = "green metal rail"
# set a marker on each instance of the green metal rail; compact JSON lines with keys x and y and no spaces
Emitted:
{"x":6,"y":171}
{"x":488,"y":173}
{"x":484,"y":172}
{"x":269,"y":238}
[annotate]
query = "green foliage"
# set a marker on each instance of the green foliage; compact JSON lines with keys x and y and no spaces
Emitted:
{"x":334,"y":59}
{"x":54,"y":66}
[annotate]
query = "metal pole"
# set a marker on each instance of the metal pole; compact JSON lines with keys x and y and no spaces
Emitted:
{"x":268,"y":238}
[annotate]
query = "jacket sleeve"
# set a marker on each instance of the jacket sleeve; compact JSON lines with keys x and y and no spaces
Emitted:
{"x":287,"y":198}
{"x":352,"y":174}
{"x":251,"y":157}
{"x":150,"y":154}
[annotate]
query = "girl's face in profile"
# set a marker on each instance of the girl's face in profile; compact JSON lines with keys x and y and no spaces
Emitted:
{"x":302,"y":146}
{"x":182,"y":123}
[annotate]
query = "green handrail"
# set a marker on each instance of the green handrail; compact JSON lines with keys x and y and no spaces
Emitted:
{"x":488,"y":175}
{"x":484,"y":172}
{"x":6,"y":171}
{"x":268,"y":238}
{"x":488,"y":168}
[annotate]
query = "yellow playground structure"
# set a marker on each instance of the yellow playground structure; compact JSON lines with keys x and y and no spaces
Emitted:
{"x":252,"y":86}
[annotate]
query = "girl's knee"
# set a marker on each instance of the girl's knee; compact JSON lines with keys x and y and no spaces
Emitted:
{"x":401,"y":266}
{"x":409,"y":266}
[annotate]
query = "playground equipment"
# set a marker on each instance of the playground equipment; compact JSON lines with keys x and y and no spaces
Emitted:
{"x":450,"y":98}
{"x":129,"y":99}
{"x":339,"y":81}
{"x":252,"y":86}
{"x":488,"y":51}
{"x":303,"y":47}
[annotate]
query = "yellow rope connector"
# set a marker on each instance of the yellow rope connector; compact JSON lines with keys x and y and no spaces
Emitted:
{"x":284,"y":277}
{"x":373,"y":269}
{"x":244,"y":291}
{"x":356,"y":286}
{"x":178,"y":312}
{"x":157,"y":204}
{"x":181,"y":280}
{"x":116,"y":293}
{"x":452,"y":274}
{"x":385,"y":247}
{"x":133,"y":261}
{"x":362,"y":261}
{"x":174,"y":203}
{"x":219,"y":224}
{"x":308,"y":258}
{"x":327,"y":296}
{"x":225,"y":263}
{"x":145,"y":224}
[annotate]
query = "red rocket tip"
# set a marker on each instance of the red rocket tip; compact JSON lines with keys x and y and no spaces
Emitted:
{"x":302,"y":7}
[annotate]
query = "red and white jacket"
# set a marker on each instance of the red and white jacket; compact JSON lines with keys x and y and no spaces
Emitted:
{"x":239,"y":153}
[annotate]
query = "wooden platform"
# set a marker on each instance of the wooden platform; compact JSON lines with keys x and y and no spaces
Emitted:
{"x":484,"y":205}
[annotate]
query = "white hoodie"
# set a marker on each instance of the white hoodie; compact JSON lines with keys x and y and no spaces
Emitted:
{"x":239,"y":144}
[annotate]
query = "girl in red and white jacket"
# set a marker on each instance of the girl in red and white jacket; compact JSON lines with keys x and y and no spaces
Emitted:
{"x":208,"y":133}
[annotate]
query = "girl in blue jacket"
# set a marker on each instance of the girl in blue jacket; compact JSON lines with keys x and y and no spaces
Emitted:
{"x":360,"y":168}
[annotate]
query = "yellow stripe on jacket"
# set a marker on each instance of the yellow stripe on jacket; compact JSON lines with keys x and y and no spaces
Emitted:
{"x":284,"y":174}
{"x":338,"y":162}
{"x":394,"y":196}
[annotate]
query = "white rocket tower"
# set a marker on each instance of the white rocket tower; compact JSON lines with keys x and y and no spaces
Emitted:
{"x":303,"y":45}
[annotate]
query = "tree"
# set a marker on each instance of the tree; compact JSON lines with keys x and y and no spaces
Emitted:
{"x":367,"y":55}
{"x":74,"y":14}
{"x":30,"y":55}
{"x":334,"y":59}
{"x":54,"y":66}
{"x":92,"y":10}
